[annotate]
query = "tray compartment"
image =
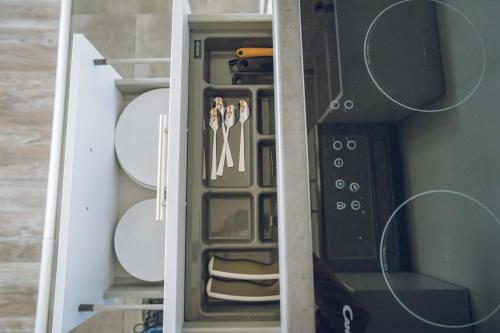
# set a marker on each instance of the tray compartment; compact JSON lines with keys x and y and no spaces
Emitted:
{"x":228,"y":217}
{"x":218,"y":52}
{"x":268,"y":218}
{"x":232,"y":177}
{"x":239,"y":310}
{"x":267,"y":164}
{"x":265,"y":115}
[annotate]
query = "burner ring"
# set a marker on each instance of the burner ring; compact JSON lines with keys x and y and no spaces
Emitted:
{"x":384,"y":268}
{"x":366,"y":53}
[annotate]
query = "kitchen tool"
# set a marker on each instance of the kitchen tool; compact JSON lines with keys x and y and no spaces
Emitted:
{"x":229,"y":120}
{"x":267,"y":162}
{"x":269,"y":218}
{"x":204,"y":172}
{"x":214,"y":124}
{"x":244,"y":114}
{"x":136,"y":140}
{"x":273,"y":164}
{"x":252,"y":78}
{"x":270,"y":228}
{"x":243,"y":291}
{"x":251,"y":52}
{"x":258,"y":65}
{"x":243,"y":269}
{"x":140,"y":242}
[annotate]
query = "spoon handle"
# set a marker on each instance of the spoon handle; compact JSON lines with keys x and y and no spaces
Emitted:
{"x":213,"y":175}
{"x":229,"y":156}
{"x":220,"y":169}
{"x":241,"y":166}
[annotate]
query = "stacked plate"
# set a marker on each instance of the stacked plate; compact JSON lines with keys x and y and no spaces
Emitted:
{"x":140,"y":242}
{"x":136,"y":136}
{"x":139,"y":238}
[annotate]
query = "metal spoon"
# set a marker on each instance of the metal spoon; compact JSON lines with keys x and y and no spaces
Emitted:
{"x":214,"y":124}
{"x":229,"y":156}
{"x":229,"y":121}
{"x":244,"y":114}
{"x":219,"y":105}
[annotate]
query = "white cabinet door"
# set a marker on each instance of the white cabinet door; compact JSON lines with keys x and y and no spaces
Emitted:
{"x":89,"y":190}
{"x":177,"y":166}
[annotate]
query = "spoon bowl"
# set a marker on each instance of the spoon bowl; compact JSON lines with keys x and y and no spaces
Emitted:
{"x":244,"y":114}
{"x":214,"y":124}
{"x":243,"y":111}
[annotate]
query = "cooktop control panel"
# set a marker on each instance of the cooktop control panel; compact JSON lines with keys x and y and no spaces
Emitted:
{"x":347,"y":175}
{"x":357,"y":194}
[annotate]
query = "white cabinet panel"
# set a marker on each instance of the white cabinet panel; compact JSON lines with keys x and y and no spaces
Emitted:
{"x":89,"y":190}
{"x":176,"y":166}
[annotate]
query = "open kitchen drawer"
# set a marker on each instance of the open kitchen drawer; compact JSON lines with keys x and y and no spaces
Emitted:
{"x":89,"y":192}
{"x":224,"y":217}
{"x":95,"y":191}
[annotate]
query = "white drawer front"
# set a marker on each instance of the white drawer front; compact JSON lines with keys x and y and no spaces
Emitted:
{"x":90,"y":186}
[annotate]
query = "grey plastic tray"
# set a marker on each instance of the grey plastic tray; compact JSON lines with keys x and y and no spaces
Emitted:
{"x":231,"y":216}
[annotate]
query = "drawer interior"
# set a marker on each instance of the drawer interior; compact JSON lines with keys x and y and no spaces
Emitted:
{"x":235,"y":215}
{"x":129,"y":194}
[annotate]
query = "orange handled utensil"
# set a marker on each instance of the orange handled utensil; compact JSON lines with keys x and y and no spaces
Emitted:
{"x":253,"y":52}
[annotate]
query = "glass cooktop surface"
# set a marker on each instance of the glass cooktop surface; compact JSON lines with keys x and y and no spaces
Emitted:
{"x":403,"y":118}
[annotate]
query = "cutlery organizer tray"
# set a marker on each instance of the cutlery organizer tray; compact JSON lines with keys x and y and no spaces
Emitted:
{"x":233,"y":216}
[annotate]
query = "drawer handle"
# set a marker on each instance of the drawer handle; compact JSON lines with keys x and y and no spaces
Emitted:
{"x":253,"y":52}
{"x":161,"y":193}
{"x":100,"y":62}
{"x":119,"y":307}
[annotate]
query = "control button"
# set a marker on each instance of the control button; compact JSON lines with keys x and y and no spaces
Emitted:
{"x":339,"y":163}
{"x":337,"y":145}
{"x":340,"y":184}
{"x":354,"y":187}
{"x":351,"y":145}
{"x":341,"y":205}
{"x":355,"y":205}
{"x":335,"y":105}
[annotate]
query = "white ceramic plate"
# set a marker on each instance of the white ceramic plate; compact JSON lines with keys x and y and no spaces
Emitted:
{"x":136,"y":136}
{"x":140,"y":242}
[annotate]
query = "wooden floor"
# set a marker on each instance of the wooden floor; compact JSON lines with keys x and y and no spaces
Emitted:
{"x":28,"y":38}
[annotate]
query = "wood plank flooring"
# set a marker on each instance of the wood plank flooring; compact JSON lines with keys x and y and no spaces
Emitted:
{"x":28,"y":41}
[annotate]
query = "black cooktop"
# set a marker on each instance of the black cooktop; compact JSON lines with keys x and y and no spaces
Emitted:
{"x":402,"y":104}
